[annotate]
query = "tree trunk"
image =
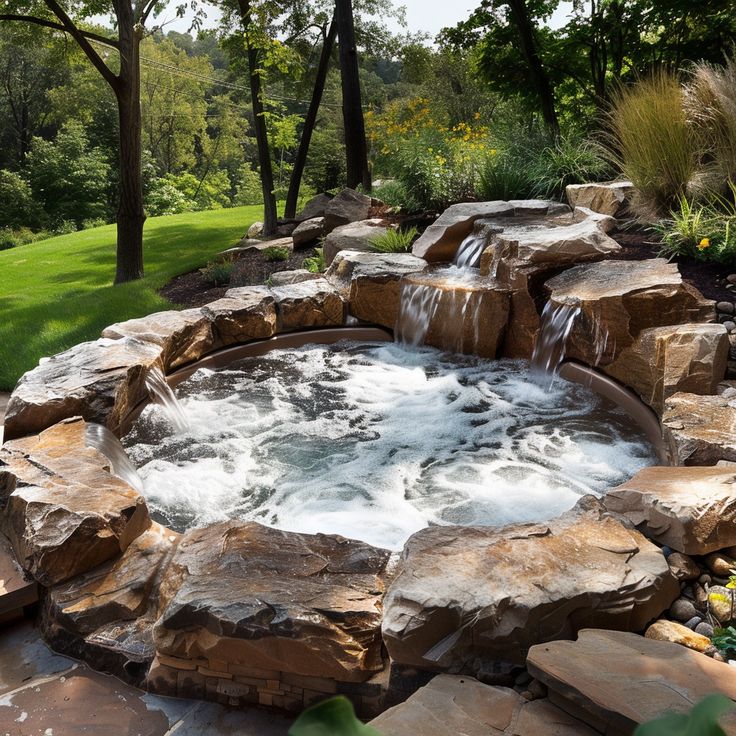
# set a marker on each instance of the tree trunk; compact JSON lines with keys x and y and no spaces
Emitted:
{"x":541,"y":81}
{"x":352,"y":109}
{"x":309,"y":122}
{"x":130,"y":217}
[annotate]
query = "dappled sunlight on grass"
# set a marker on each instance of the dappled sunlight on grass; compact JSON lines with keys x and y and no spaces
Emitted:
{"x":58,"y":292}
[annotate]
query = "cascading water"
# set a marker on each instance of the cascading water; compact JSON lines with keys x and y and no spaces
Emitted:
{"x":103,"y":440}
{"x":470,"y":250}
{"x":162,"y":394}
{"x":549,"y":350}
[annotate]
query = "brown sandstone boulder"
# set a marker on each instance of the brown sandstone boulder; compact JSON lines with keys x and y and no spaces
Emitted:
{"x":308,"y":231}
{"x":356,"y":236}
{"x":182,"y":336}
{"x":243,"y":314}
{"x":666,"y":360}
{"x":67,"y":513}
{"x":700,"y":430}
{"x":369,"y":282}
{"x":465,"y":594}
{"x":665,"y":630}
{"x":608,"y":198}
{"x":284,"y":278}
{"x":692,"y":510}
{"x":312,"y":303}
{"x":619,"y":299}
{"x":347,"y":206}
{"x":245,"y":595}
{"x":101,"y":381}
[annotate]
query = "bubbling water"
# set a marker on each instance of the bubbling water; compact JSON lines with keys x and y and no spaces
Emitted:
{"x":374,"y":442}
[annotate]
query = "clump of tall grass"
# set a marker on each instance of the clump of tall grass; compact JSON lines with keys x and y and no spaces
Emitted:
{"x":394,"y":240}
{"x":652,"y":142}
{"x":710,"y":106}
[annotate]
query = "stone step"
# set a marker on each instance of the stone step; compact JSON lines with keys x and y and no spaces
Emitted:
{"x":615,"y":680}
{"x":450,"y":705}
{"x":15,"y":591}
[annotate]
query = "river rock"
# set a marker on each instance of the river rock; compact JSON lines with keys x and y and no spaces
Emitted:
{"x":683,"y":610}
{"x":682,"y":566}
{"x":465,"y":594}
{"x":369,"y":282}
{"x":315,"y":207}
{"x":182,"y":336}
{"x":691,"y":510}
{"x":313,"y":303}
{"x":308,"y":231}
{"x":101,"y":381}
{"x":619,"y":299}
{"x":666,"y":360}
{"x":353,"y":236}
{"x":719,"y":564}
{"x":65,"y":513}
{"x":245,"y":595}
{"x":721,"y":603}
{"x":664,"y":630}
{"x":255,"y":230}
{"x":243,"y":314}
{"x":347,"y":206}
{"x":608,"y":198}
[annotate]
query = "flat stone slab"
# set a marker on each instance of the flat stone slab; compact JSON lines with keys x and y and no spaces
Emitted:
{"x":608,"y":198}
{"x":64,"y":512}
{"x":691,"y":510}
{"x":700,"y":430}
{"x":245,"y":595}
{"x":465,"y":594}
{"x":309,"y":303}
{"x":101,"y":381}
{"x":369,"y":282}
{"x":451,"y":705}
{"x":619,"y":680}
{"x":183,"y":336}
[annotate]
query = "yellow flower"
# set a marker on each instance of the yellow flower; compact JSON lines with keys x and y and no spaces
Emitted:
{"x":703,"y":244}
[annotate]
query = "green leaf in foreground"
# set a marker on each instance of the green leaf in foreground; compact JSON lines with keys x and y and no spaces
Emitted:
{"x":701,"y":721}
{"x":333,"y":717}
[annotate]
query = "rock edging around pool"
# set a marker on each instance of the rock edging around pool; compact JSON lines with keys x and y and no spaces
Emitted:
{"x":203,"y":614}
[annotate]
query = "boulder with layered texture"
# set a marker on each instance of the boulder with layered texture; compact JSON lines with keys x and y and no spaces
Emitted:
{"x":243,"y":314}
{"x":357,"y":236}
{"x":65,"y":513}
{"x":608,"y":198}
{"x":370,"y":283}
{"x":308,"y":231}
{"x":465,"y":594}
{"x":245,"y":595}
{"x":691,"y":510}
{"x":311,"y":303}
{"x":101,"y":381}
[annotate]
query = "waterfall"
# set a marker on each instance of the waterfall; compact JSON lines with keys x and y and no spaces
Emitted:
{"x":470,"y":250}
{"x":100,"y":438}
{"x":557,"y":323}
{"x":162,"y":394}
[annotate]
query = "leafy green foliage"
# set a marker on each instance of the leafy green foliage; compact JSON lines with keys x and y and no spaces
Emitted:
{"x":725,"y":639}
{"x":316,"y":263}
{"x":394,"y":240}
{"x":504,"y":176}
{"x":16,"y":200}
{"x":276,"y":253}
{"x":218,"y":273}
{"x":701,"y":721}
{"x":333,"y":717}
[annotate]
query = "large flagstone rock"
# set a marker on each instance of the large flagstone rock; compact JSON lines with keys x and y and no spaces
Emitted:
{"x":310,"y":303}
{"x":663,"y":361}
{"x":691,"y":510}
{"x":101,"y":381}
{"x":608,"y":198}
{"x":182,"y":336}
{"x":64,"y":514}
{"x":353,"y":236}
{"x":469,"y":594}
{"x":370,"y":283}
{"x":619,"y":299}
{"x":700,"y":430}
{"x":244,"y":313}
{"x":242,"y":595}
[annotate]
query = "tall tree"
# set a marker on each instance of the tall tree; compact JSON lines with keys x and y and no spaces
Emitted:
{"x":123,"y":76}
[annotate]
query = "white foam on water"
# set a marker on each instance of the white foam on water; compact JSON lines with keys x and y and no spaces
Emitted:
{"x":375,"y":442}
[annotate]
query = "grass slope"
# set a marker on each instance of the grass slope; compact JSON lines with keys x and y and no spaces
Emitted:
{"x":58,"y":292}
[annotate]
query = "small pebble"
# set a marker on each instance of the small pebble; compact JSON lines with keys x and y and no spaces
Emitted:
{"x":726,"y":307}
{"x":719,"y":564}
{"x":666,"y":551}
{"x":705,"y":579}
{"x":527,"y":695}
{"x":731,"y":278}
{"x":705,"y":629}
{"x":693,"y":622}
{"x":730,"y":325}
{"x":537,"y":689}
{"x":711,"y":651}
{"x":682,"y":610}
{"x":719,"y":657}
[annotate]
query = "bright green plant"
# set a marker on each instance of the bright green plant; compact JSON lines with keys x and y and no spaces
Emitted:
{"x":394,"y":194}
{"x":218,"y":273}
{"x":652,"y":142}
{"x":701,"y":721}
{"x":276,"y":253}
{"x":725,"y":639}
{"x":316,"y":263}
{"x":16,"y":200}
{"x":333,"y":717}
{"x":505,"y":176}
{"x":394,"y":240}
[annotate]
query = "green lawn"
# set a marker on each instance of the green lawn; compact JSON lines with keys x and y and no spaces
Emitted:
{"x":58,"y":292}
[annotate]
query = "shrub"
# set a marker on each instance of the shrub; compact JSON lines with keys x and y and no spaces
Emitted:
{"x":10,"y":238}
{"x":652,"y":142}
{"x":16,"y":200}
{"x":218,"y":273}
{"x":276,"y":253}
{"x":248,"y":191}
{"x":504,"y":176}
{"x":394,"y":240}
{"x":394,"y":194}
{"x":316,"y":263}
{"x":165,"y":199}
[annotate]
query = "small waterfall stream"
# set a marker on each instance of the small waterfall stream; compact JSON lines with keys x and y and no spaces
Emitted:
{"x":104,"y":441}
{"x":162,"y":394}
{"x":470,"y":250}
{"x":557,"y":323}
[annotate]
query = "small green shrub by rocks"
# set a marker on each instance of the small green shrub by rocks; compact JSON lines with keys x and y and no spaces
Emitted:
{"x":276,"y":253}
{"x":316,"y":263}
{"x":218,"y":273}
{"x":394,"y":241}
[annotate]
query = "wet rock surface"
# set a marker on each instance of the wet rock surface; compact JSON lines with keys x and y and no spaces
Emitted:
{"x":101,"y":381}
{"x":465,"y":593}
{"x":245,"y":595}
{"x":370,"y":283}
{"x":64,"y":513}
{"x":691,"y":510}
